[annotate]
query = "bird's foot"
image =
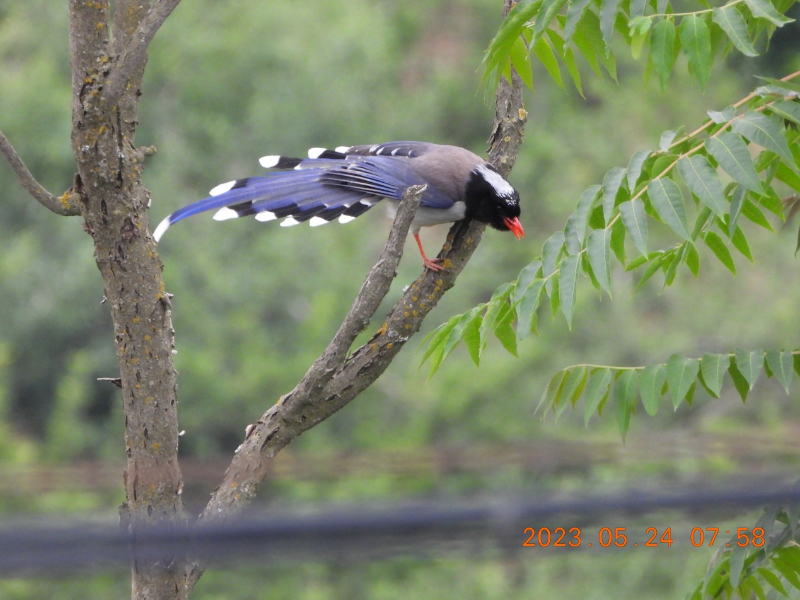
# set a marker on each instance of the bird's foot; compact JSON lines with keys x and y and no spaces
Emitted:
{"x":432,"y":264}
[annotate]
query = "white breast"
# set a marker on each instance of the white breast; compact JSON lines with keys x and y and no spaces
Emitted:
{"x":426,"y":217}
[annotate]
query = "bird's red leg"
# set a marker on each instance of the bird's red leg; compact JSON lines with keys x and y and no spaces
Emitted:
{"x":428,"y":263}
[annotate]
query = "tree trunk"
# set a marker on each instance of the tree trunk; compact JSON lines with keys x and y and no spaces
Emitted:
{"x":114,"y":204}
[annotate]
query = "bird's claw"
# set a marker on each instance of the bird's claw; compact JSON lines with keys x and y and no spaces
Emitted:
{"x":432,"y":264}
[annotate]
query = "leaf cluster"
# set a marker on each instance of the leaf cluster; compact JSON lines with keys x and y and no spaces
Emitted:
{"x":769,"y":566}
{"x":707,"y":178}
{"x":557,"y":31}
{"x":679,"y":377}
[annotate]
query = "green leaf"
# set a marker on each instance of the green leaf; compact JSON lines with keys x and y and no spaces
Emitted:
{"x":693,"y":260}
{"x":753,"y":213}
{"x":662,"y":49}
{"x":730,"y":151}
{"x":696,"y":42}
{"x":635,"y":165}
{"x":787,"y":176}
{"x":702,"y":179}
{"x":738,"y":554}
{"x":527,"y":307}
{"x":749,"y":364}
{"x":504,"y":330}
{"x":713,"y":368}
{"x":764,"y":131}
{"x":575,"y":231}
{"x":472,"y":337}
{"x":702,"y":218}
{"x":546,"y":14}
{"x":569,"y":283}
{"x":574,"y":14}
{"x":722,"y":116}
{"x":618,"y":240}
{"x":652,"y":382}
{"x":598,"y":247}
{"x":521,"y":61}
{"x":672,"y":267}
{"x":589,"y":40}
{"x":740,"y":243}
{"x":550,"y":251}
{"x":552,"y":392}
{"x":737,"y":201}
{"x":787,"y":110}
{"x":788,"y":572}
{"x":573,"y":384}
{"x":500,"y":47}
{"x":545,"y":54}
{"x":526,"y":276}
{"x":635,"y":222}
{"x":733,"y":23}
{"x":773,"y":580}
{"x":785,"y":88}
{"x":625,"y":390}
{"x":781,"y":364}
{"x":739,"y":382}
{"x":752,"y":585}
{"x":720,"y":250}
{"x":456,"y":333}
{"x":653,"y":268}
{"x":565,"y":52}
{"x":639,"y":30}
{"x":637,"y":8}
{"x":596,"y":391}
{"x":611,"y":184}
{"x":763,"y":9}
{"x":681,"y":373}
{"x":437,"y":343}
{"x":668,"y":201}
{"x":608,"y":17}
{"x":493,"y":310}
{"x":665,"y":142}
{"x":555,"y":297}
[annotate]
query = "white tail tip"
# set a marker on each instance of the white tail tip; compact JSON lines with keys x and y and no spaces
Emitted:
{"x":222,"y":188}
{"x":269,"y":161}
{"x":265,"y":216}
{"x":162,"y":227}
{"x":225,"y":213}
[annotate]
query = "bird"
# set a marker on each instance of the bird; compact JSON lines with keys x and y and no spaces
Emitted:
{"x":346,"y":182}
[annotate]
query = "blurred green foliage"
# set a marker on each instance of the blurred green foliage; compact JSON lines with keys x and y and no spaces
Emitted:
{"x":254,"y":304}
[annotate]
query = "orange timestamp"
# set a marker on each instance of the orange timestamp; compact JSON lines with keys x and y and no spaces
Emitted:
{"x":561,"y":537}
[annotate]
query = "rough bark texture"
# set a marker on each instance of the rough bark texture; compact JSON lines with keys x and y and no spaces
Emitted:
{"x":114,"y":204}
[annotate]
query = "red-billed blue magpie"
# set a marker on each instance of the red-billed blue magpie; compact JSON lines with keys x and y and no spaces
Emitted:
{"x":346,"y":182}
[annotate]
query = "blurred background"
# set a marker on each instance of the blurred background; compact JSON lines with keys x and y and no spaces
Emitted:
{"x":254,"y":303}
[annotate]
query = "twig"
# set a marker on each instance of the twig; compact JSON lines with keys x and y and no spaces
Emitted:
{"x":60,"y":206}
{"x":133,"y":56}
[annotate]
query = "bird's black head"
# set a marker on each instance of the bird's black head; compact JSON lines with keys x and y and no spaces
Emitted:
{"x":491,"y":199}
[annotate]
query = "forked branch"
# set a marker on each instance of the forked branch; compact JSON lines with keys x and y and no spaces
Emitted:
{"x":133,"y":57}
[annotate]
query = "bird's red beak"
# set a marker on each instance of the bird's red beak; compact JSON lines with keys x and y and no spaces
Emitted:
{"x":515,"y":227}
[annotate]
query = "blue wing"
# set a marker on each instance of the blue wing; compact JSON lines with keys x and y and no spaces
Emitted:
{"x":317,"y":190}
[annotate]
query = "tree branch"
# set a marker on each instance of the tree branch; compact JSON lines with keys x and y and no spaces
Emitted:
{"x":133,"y":57}
{"x":335,"y":379}
{"x":60,"y":206}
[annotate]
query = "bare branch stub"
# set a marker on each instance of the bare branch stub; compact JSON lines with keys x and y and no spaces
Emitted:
{"x":64,"y":206}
